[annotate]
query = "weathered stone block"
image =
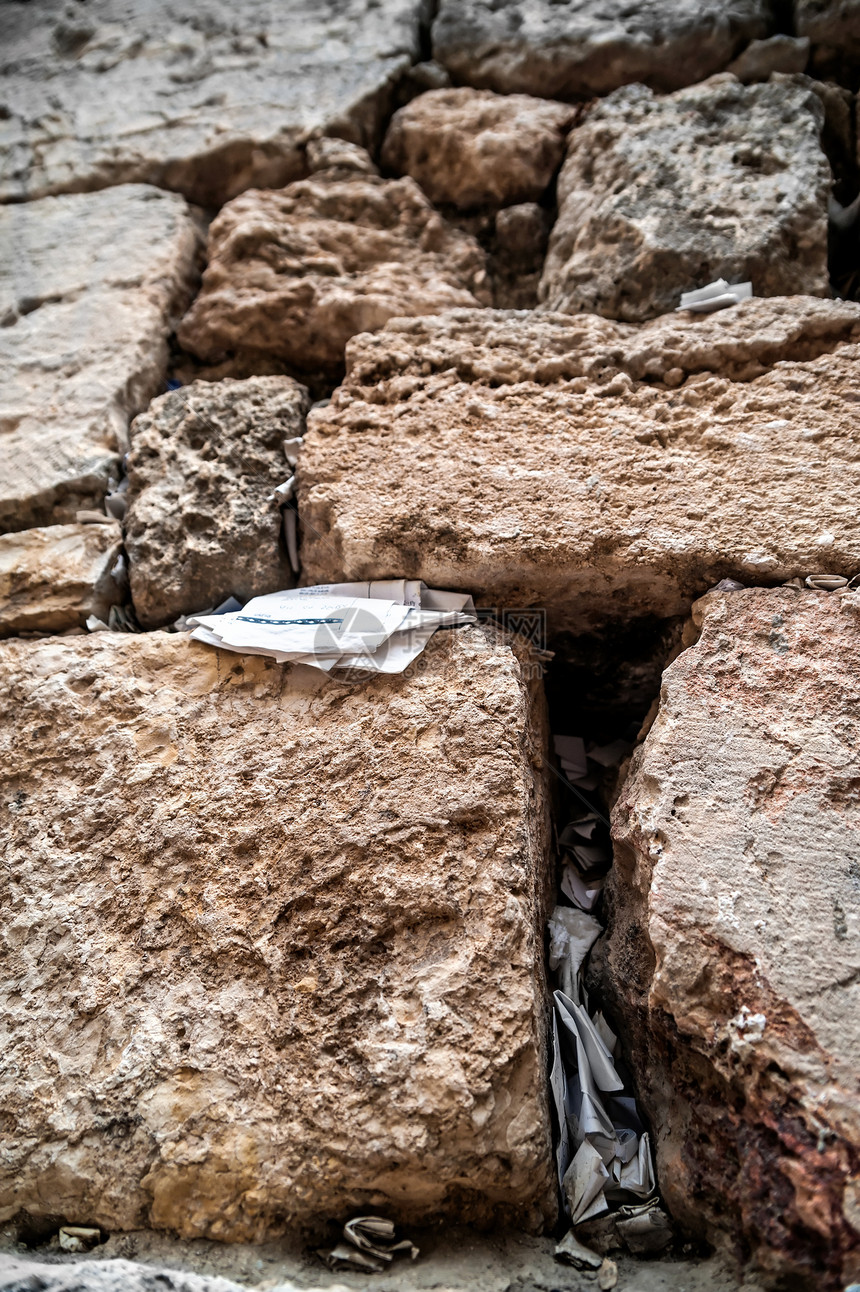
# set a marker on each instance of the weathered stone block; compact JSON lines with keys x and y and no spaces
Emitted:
{"x":52,"y":579}
{"x":208,"y":104}
{"x":584,"y":47}
{"x":297,"y":272}
{"x":597,"y":469}
{"x":475,"y":148}
{"x":833,"y":27}
{"x":89,"y":286}
{"x":272,"y":942}
{"x":202,"y":524}
{"x":658,"y":195}
{"x":734,"y":950}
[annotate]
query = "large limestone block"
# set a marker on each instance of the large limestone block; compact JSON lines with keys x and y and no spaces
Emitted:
{"x":658,"y":195}
{"x":53,"y":578}
{"x":202,"y":524}
{"x":206,"y":103}
{"x":734,"y":951}
{"x":297,"y":272}
{"x":89,"y":285}
{"x":585,"y":47}
{"x":597,"y":469}
{"x":475,"y":148}
{"x":272,"y":942}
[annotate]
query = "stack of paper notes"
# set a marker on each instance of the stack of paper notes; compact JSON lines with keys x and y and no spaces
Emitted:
{"x":375,"y":627}
{"x":716,"y":296}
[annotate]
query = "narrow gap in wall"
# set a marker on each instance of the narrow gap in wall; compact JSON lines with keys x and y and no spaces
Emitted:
{"x":783,"y":17}
{"x":601,"y":688}
{"x":425,"y":30}
{"x":839,"y":141}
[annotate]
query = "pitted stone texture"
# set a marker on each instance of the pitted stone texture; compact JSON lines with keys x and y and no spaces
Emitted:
{"x":296,"y":273}
{"x":734,"y":951}
{"x":536,"y":470}
{"x":202,"y":524}
{"x":506,"y":347}
{"x":23,"y":1275}
{"x":52,"y":579}
{"x":474,"y":148}
{"x":89,"y":287}
{"x":208,"y":103}
{"x":659,"y":195}
{"x":833,"y":27}
{"x":273,"y":942}
{"x":584,"y":47}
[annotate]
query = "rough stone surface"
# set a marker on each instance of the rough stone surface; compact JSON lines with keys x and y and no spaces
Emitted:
{"x":734,"y":952}
{"x":296,"y":273}
{"x":272,"y":942}
{"x":18,"y":1275}
{"x":584,"y":47}
{"x":51,"y":579}
{"x":208,"y":103}
{"x":475,"y":148}
{"x":601,"y":470}
{"x":201,"y":524}
{"x":455,"y":1258}
{"x":833,"y":27}
{"x":89,"y":285}
{"x":784,"y":54}
{"x":659,"y":195}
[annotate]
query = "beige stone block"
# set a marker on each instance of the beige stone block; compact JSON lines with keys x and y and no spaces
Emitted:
{"x":475,"y":148}
{"x":272,"y":942}
{"x":202,"y":523}
{"x":207,"y":103}
{"x":734,"y":951}
{"x":590,"y":47}
{"x":90,"y":285}
{"x":52,"y":579}
{"x":600,"y":470}
{"x":661,"y":195}
{"x":296,"y":272}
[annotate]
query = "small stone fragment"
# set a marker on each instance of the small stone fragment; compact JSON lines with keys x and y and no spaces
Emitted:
{"x":474,"y":148}
{"x":52,"y":579}
{"x":202,"y":523}
{"x":338,"y":155}
{"x":590,"y":47}
{"x":89,"y":285}
{"x":521,"y":233}
{"x":295,"y":273}
{"x":660,"y":195}
{"x":607,"y":1275}
{"x":779,"y":53}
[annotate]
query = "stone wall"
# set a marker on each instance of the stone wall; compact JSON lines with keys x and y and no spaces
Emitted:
{"x":383,"y":289}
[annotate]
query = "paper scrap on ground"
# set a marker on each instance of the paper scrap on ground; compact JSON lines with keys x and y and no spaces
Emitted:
{"x":369,"y":1244}
{"x":716,"y":296}
{"x":575,"y":1253}
{"x":376,"y":627}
